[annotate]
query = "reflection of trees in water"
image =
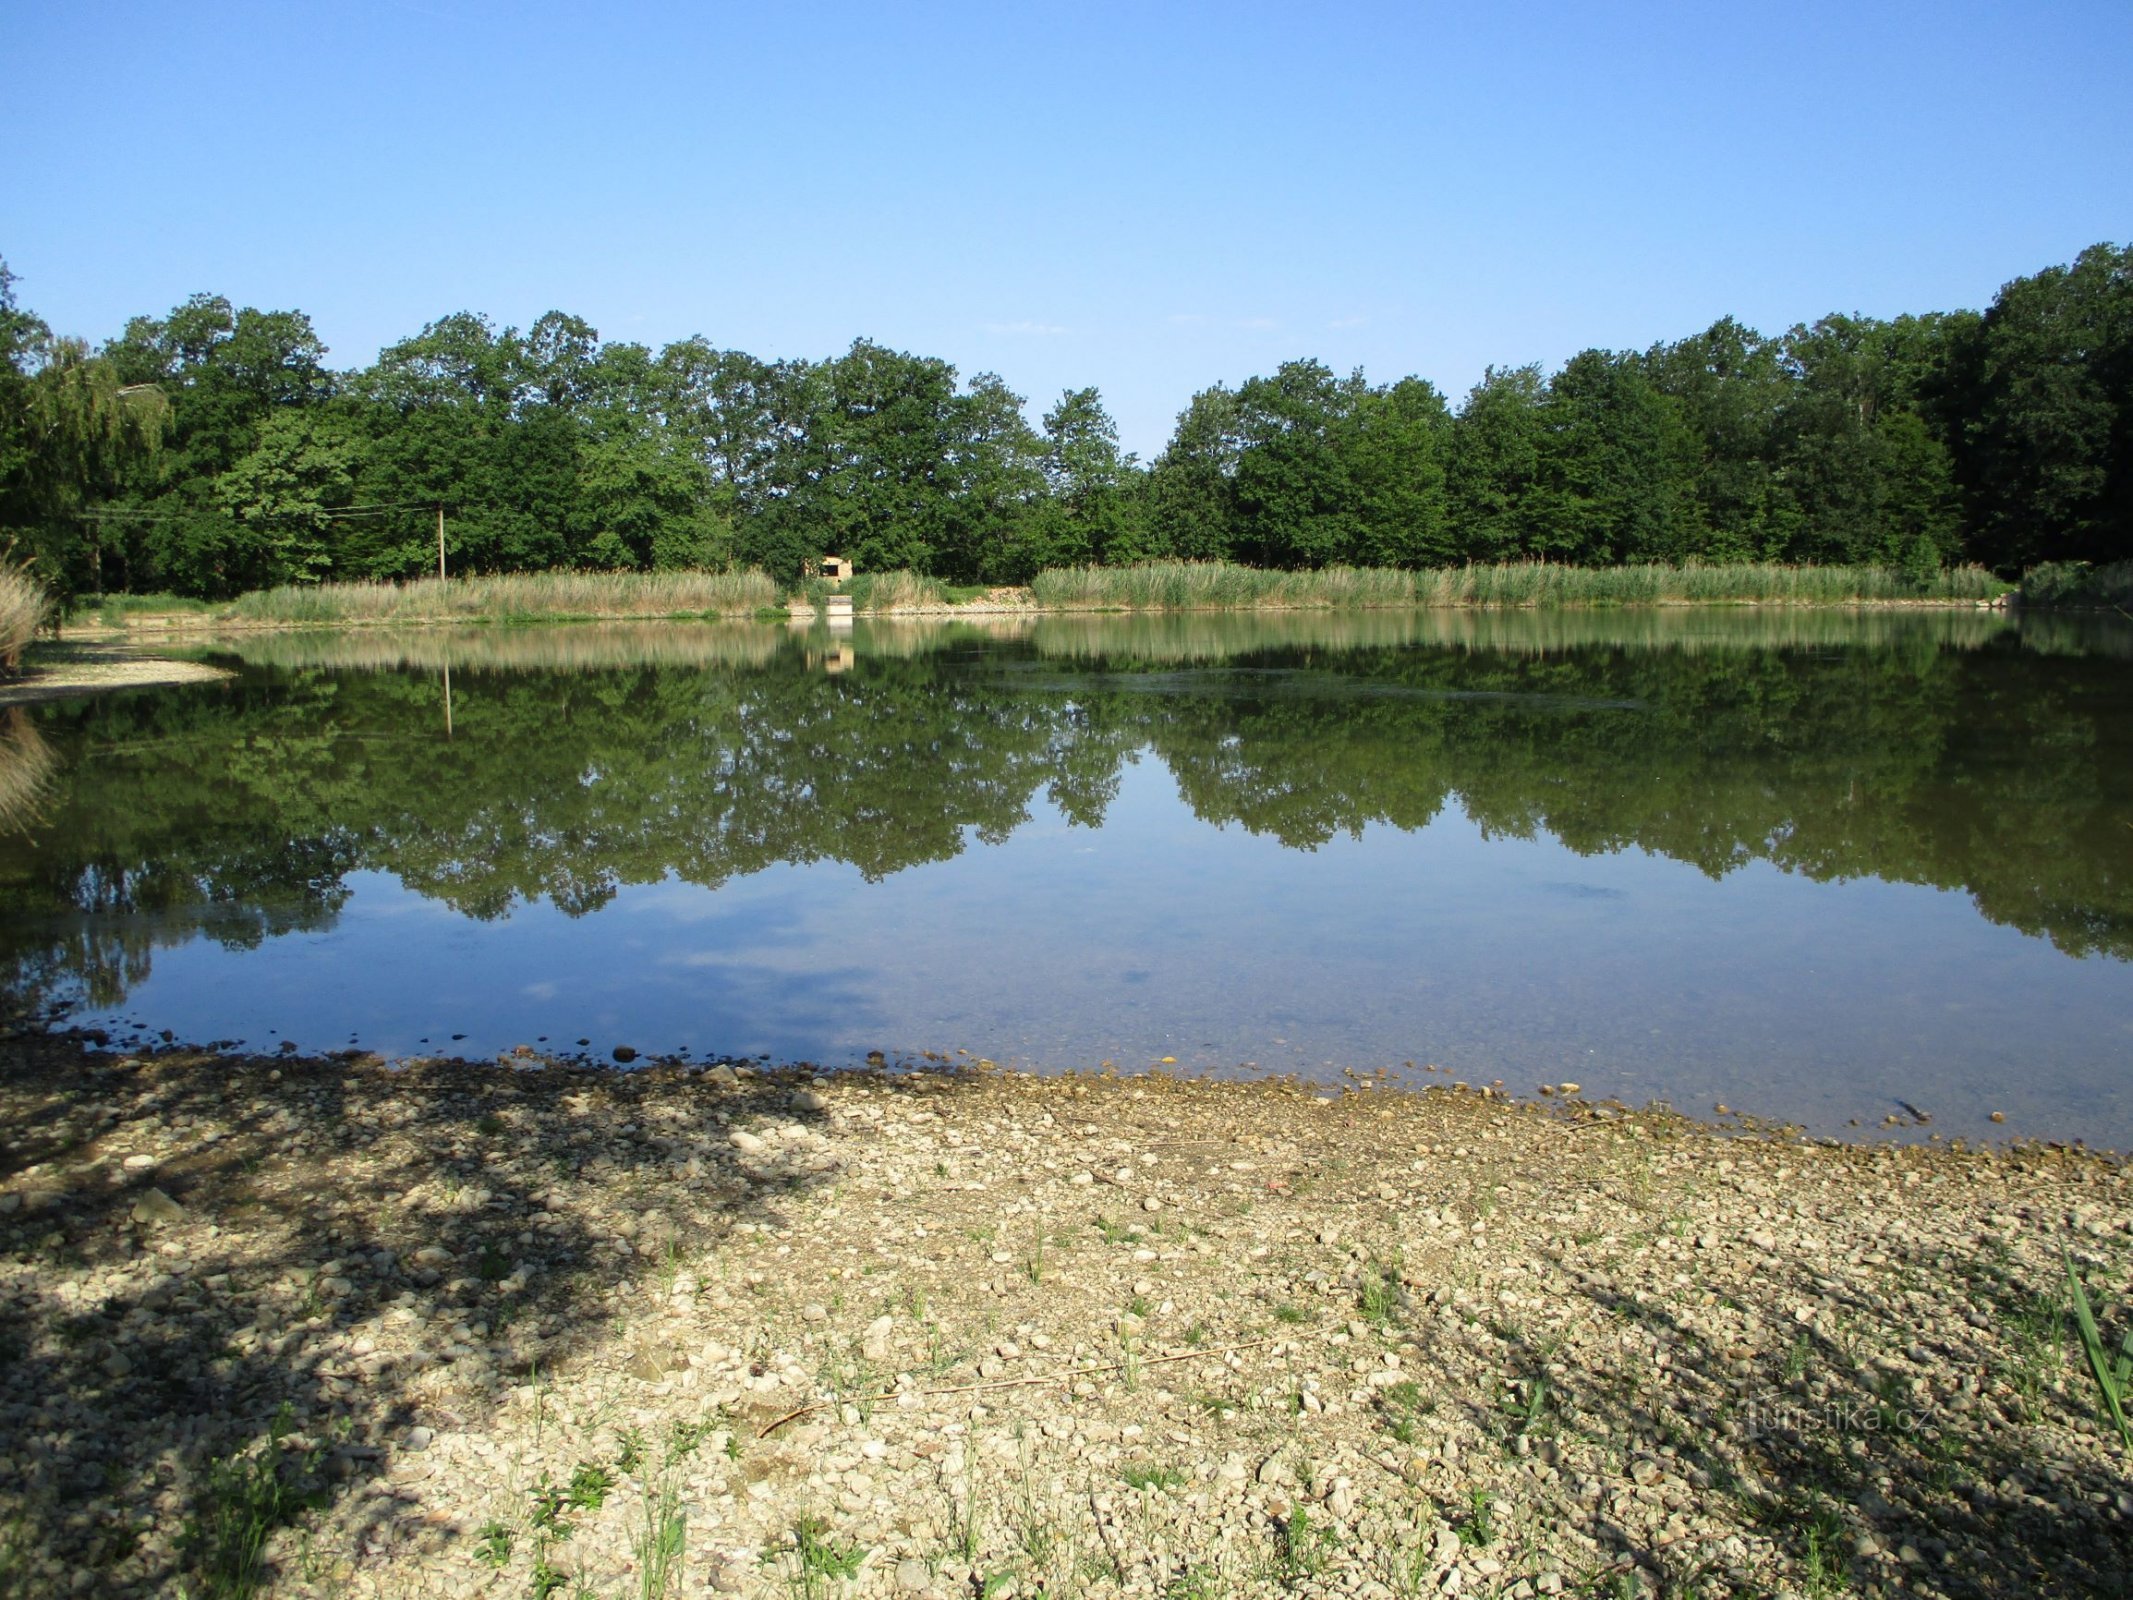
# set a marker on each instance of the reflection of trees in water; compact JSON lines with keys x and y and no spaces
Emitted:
{"x":238,"y":814}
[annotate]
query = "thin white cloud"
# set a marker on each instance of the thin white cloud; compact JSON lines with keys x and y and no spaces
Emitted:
{"x":1347,"y":322}
{"x":1045,"y":329}
{"x":1189,"y":319}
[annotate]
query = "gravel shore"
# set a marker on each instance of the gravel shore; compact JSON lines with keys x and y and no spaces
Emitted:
{"x":334,"y":1327}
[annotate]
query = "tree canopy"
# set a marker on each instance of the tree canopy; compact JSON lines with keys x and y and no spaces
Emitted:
{"x":213,"y":449}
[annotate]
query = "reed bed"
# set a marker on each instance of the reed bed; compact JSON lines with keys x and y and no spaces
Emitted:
{"x":1187,"y":585}
{"x":512,"y":597}
{"x":900,"y":590}
{"x":897,"y":590}
{"x":22,"y":612}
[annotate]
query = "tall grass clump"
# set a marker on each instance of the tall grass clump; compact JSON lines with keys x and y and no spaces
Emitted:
{"x":513,"y":597}
{"x":2076,"y":584}
{"x":23,"y":606}
{"x":1169,"y":586}
{"x":1215,"y":585}
{"x":897,"y":590}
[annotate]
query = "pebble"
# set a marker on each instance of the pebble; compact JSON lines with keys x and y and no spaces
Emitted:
{"x":494,"y":1365}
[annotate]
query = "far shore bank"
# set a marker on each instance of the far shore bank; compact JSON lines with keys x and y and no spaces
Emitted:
{"x":309,"y":1326}
{"x":1160,"y":586}
{"x":149,"y":649}
{"x":192,"y":627}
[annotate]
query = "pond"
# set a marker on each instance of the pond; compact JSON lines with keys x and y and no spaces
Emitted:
{"x":1822,"y":867}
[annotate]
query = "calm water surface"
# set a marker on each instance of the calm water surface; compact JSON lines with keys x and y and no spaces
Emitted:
{"x":1810,"y":865}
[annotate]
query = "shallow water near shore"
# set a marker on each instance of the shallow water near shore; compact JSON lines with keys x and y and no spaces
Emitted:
{"x":1816,"y":866}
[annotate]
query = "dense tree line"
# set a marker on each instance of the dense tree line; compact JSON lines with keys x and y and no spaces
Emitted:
{"x":213,"y":450}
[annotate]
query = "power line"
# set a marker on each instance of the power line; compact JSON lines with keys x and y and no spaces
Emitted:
{"x":123,"y":514}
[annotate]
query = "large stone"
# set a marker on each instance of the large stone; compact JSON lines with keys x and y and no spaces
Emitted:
{"x":156,"y":1208}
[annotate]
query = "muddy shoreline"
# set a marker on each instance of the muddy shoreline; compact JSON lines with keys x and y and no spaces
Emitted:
{"x":509,"y":1328}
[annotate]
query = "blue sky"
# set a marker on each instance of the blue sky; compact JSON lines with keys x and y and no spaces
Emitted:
{"x":1148,"y":198}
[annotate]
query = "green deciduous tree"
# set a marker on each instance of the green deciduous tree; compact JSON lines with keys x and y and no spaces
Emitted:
{"x":2047,"y":434}
{"x":286,"y":489}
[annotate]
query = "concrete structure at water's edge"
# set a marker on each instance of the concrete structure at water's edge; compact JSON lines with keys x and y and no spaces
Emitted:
{"x":837,"y":605}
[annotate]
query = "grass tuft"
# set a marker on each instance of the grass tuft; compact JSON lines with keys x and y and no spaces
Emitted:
{"x":243,"y":1501}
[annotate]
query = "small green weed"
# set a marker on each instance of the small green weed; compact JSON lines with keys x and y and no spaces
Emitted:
{"x":589,"y":1486}
{"x":1822,"y":1553}
{"x":1403,"y":1406}
{"x":1797,"y":1358}
{"x":492,"y":1545}
{"x":822,"y":1555}
{"x":1302,"y":1548}
{"x":660,"y":1538}
{"x":550,"y":1504}
{"x":1523,"y":1401}
{"x":1382,"y":1298}
{"x":1478,"y":1530}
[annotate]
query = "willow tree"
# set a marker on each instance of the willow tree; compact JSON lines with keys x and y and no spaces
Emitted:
{"x":70,"y":430}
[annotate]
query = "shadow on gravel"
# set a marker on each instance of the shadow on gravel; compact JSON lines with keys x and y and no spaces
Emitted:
{"x":1948,"y":1457}
{"x":255,"y":1318}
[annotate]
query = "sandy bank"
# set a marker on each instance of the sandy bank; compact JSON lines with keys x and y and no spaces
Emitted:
{"x":976,"y":1334}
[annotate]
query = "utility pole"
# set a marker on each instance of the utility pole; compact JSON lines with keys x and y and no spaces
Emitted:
{"x":440,"y":541}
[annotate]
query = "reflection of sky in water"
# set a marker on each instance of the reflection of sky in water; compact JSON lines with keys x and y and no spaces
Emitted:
{"x":1160,"y":935}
